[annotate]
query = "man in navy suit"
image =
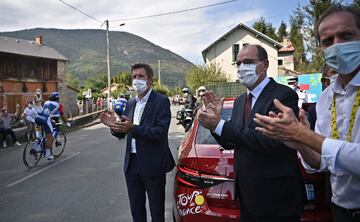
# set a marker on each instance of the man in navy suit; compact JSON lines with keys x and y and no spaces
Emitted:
{"x":268,"y":180}
{"x":148,"y":157}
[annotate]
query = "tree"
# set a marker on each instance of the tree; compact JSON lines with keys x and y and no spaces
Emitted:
{"x":312,"y":12}
{"x":72,"y":81}
{"x":260,"y":25}
{"x":296,"y":38}
{"x":204,"y":75}
{"x":96,"y":83}
{"x":281,"y":32}
{"x":356,"y":5}
{"x":160,"y":88}
{"x":122,"y":78}
{"x":265,"y":28}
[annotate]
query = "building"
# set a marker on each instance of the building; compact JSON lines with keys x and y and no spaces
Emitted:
{"x":27,"y":65}
{"x":71,"y":106}
{"x":223,"y":52}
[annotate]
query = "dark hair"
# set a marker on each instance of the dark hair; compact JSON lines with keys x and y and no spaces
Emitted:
{"x":261,"y":54}
{"x":325,"y":70}
{"x":335,"y":9}
{"x":148,"y":69}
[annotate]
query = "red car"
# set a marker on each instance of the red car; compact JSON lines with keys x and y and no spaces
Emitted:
{"x":204,"y":181}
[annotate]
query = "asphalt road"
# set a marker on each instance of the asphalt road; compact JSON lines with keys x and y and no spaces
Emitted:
{"x":86,"y":184}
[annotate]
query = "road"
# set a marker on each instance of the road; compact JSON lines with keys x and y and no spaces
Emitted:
{"x":86,"y":184}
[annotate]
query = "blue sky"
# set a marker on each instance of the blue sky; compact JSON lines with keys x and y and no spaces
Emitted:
{"x":186,"y":34}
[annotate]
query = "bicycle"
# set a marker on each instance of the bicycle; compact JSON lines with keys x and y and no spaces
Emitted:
{"x":35,"y":148}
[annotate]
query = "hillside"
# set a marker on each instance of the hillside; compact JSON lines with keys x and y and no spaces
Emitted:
{"x":86,"y":51}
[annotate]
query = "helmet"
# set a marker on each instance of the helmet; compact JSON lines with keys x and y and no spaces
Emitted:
{"x":55,"y":95}
{"x":201,"y":90}
{"x":185,"y":90}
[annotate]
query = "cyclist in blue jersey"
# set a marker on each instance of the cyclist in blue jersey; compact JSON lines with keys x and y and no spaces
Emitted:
{"x":50,"y":108}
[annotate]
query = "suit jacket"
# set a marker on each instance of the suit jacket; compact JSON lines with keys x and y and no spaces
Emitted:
{"x":151,"y":135}
{"x":268,"y":179}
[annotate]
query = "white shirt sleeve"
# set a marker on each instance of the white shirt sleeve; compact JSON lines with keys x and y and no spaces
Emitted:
{"x":219,"y":127}
{"x":341,"y":157}
{"x":309,"y":169}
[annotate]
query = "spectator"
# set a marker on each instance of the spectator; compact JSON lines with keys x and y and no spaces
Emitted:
{"x":5,"y":125}
{"x":145,"y":124}
{"x":335,"y":144}
{"x":38,"y":101}
{"x":29,"y":115}
{"x":267,"y":177}
{"x":328,"y":75}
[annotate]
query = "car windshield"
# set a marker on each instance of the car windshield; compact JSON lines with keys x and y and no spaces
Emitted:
{"x":204,"y":136}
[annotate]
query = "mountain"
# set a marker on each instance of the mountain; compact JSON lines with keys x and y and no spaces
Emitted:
{"x":86,"y":51}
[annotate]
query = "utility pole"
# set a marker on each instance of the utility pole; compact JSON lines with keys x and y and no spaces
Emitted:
{"x":159,"y":71}
{"x":108,"y":64}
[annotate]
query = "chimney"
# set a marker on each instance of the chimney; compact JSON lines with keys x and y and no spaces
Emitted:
{"x":39,"y":40}
{"x":286,"y":41}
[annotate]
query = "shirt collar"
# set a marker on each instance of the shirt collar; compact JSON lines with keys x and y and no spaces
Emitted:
{"x":259,"y":88}
{"x":337,"y":88}
{"x":145,"y":98}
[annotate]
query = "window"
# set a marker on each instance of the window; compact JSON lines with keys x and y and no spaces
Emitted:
{"x":235,"y":52}
{"x":204,"y":136}
{"x":280,"y":62}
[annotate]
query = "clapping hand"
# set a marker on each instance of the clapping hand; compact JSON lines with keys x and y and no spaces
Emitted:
{"x":282,"y":126}
{"x":108,"y":119}
{"x":210,"y":114}
{"x":124,"y":126}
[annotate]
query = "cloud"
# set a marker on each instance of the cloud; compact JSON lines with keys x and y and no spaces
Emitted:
{"x":186,"y":34}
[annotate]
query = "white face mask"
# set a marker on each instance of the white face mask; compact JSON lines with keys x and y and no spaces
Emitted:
{"x":139,"y":85}
{"x":247,"y":74}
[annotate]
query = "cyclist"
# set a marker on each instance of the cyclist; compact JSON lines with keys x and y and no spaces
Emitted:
{"x":51,"y":107}
{"x":58,"y":113}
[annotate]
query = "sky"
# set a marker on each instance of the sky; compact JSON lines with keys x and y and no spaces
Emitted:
{"x":186,"y":34}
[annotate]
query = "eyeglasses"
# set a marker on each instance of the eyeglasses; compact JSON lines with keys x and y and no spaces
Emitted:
{"x":247,"y":61}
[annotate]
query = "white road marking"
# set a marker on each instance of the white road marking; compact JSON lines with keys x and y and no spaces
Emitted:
{"x":40,"y":171}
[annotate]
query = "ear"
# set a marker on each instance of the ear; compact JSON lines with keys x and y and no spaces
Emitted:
{"x":266,"y":64}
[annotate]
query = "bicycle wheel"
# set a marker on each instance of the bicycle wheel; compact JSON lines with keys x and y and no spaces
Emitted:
{"x":30,"y":156}
{"x":59,"y":145}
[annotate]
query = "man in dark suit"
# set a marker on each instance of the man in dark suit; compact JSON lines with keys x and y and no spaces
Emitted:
{"x":148,"y":158}
{"x":268,"y":180}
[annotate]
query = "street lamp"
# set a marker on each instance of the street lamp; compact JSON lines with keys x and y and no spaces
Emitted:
{"x":108,"y":61}
{"x":159,"y":71}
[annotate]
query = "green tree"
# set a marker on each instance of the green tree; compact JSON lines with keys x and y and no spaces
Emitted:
{"x":122,"y":78}
{"x":260,"y":25}
{"x":96,"y":83}
{"x":72,"y":81}
{"x":271,"y":31}
{"x":204,"y":75}
{"x":312,"y":12}
{"x":281,"y":32}
{"x":160,"y":88}
{"x":266,"y":28}
{"x":356,"y":5}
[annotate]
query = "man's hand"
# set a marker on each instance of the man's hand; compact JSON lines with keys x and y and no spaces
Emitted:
{"x":107,"y":118}
{"x":124,"y":126}
{"x":283,"y":126}
{"x":210,"y":114}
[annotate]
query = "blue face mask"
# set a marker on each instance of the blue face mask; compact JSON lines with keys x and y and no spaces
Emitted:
{"x":343,"y":57}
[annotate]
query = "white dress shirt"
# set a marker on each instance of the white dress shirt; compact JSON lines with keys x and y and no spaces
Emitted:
{"x":255,"y":95}
{"x":340,"y":157}
{"x":30,"y":114}
{"x":139,"y":109}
